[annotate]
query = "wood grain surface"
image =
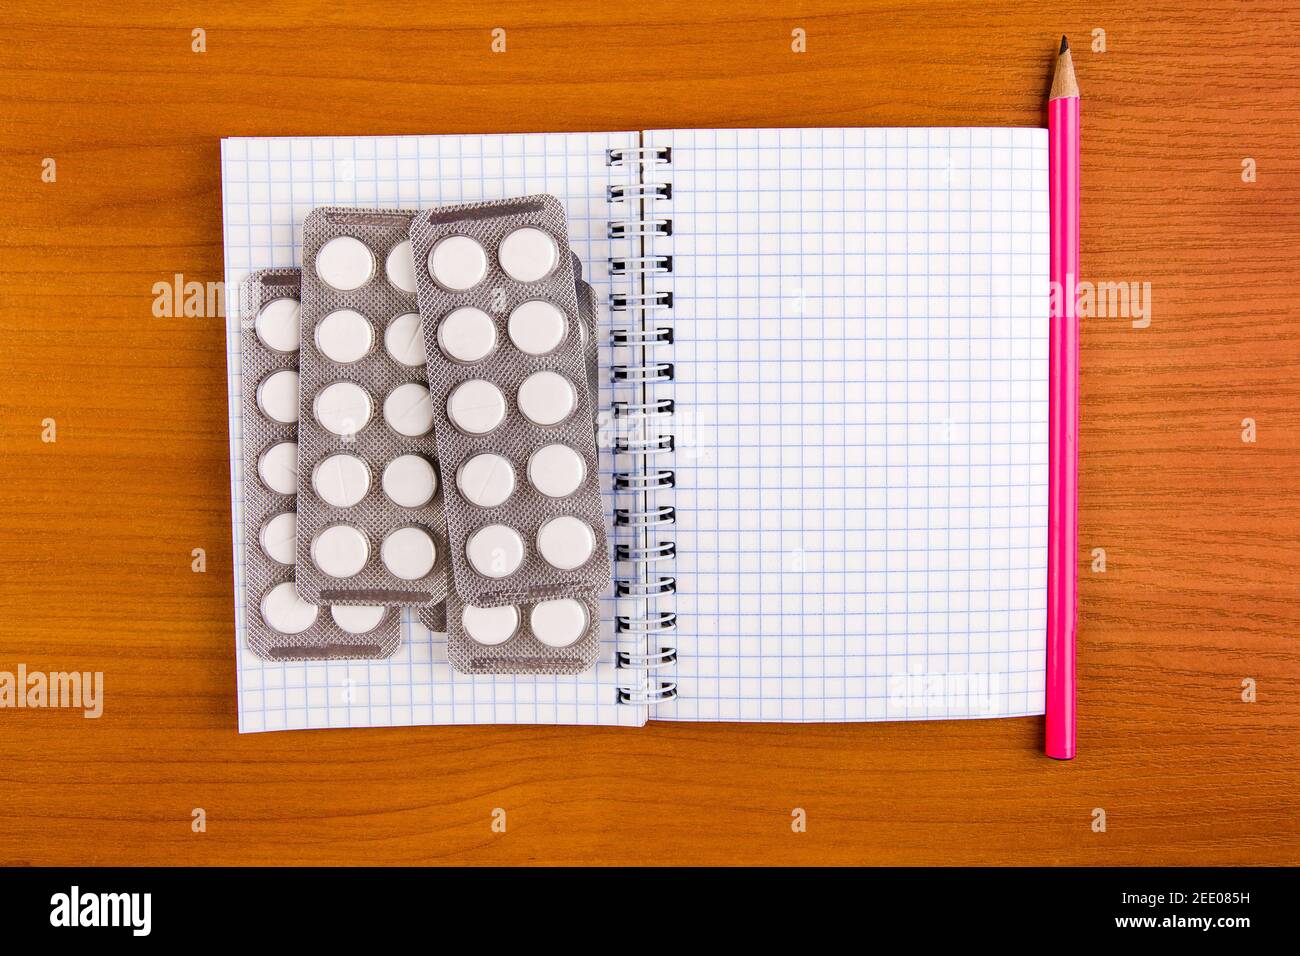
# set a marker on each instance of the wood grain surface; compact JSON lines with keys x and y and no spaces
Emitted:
{"x":1201,"y":530}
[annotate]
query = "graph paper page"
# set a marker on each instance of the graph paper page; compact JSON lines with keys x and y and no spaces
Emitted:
{"x":860,"y":357}
{"x":268,"y":187}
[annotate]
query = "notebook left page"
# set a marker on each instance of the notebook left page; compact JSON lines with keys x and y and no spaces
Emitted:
{"x":269,"y":185}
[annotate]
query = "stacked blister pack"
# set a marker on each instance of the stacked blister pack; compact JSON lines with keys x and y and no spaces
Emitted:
{"x":419,"y":407}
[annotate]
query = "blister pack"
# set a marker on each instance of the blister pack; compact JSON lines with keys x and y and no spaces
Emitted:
{"x":514,"y":417}
{"x":556,"y":636}
{"x":370,"y":510}
{"x":278,"y":623}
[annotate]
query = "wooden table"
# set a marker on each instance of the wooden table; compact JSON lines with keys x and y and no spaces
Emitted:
{"x":1201,"y":530}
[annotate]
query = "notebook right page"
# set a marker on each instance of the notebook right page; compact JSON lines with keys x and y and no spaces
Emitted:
{"x":860,"y":350}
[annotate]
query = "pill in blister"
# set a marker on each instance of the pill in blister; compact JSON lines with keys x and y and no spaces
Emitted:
{"x":409,"y":553}
{"x":556,"y":470}
{"x":284,"y":611}
{"x":476,"y":406}
{"x":404,"y":340}
{"x":409,"y":410}
{"x":277,"y":325}
{"x":358,"y":619}
{"x":457,"y":263}
{"x":409,"y":481}
{"x":344,"y":336}
{"x":401,"y":267}
{"x":277,"y":537}
{"x":546,"y":398}
{"x":345,"y":263}
{"x":277,"y":396}
{"x":566,"y":542}
{"x":340,"y":551}
{"x":467,"y":335}
{"x":278,"y":467}
{"x":559,"y":623}
{"x":343,"y":408}
{"x":495,"y":551}
{"x":490,"y":625}
{"x":341,"y":480}
{"x":486,"y":480}
{"x":536,"y":327}
{"x":528,"y":254}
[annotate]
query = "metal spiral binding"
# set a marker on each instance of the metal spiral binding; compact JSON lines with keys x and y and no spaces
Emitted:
{"x":648,"y":434}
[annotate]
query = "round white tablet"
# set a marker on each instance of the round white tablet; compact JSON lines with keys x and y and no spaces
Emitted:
{"x":458,"y":263}
{"x":409,"y":553}
{"x":476,"y":407}
{"x":528,"y":254}
{"x":559,"y":623}
{"x":556,"y":470}
{"x":410,"y":481}
{"x":277,"y":537}
{"x":546,"y":398}
{"x":278,"y":467}
{"x":277,"y":396}
{"x":341,"y":480}
{"x":409,"y":410}
{"x":277,"y":325}
{"x":345,"y":263}
{"x":344,"y":336}
{"x":284,"y":611}
{"x":342,"y":408}
{"x":358,"y":619}
{"x":536,"y":327}
{"x":400,"y":267}
{"x":340,"y":551}
{"x":495,"y":551}
{"x":486,"y":480}
{"x":467,"y":335}
{"x":490,"y":625}
{"x":566,"y":542}
{"x":404,"y":339}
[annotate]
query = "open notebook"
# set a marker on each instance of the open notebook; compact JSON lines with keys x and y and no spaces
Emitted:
{"x":827,"y":484}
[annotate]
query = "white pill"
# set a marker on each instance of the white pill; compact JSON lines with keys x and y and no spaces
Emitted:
{"x":404,"y":340}
{"x":409,"y":553}
{"x":277,"y":537}
{"x":277,"y":396}
{"x":361,"y":619}
{"x":344,"y":336}
{"x":546,"y":398}
{"x":458,"y":263}
{"x":340,"y":551}
{"x":528,"y":254}
{"x":409,"y":410}
{"x":284,"y":611}
{"x":566,"y":542}
{"x":536,"y":327}
{"x":341,"y":480}
{"x":278,"y":467}
{"x":476,"y":406}
{"x":495,"y":551}
{"x":345,"y":263}
{"x":490,"y":625}
{"x":467,"y":335}
{"x":410,"y":481}
{"x":559,"y":623}
{"x":486,"y":480}
{"x":277,"y":325}
{"x":343,"y":408}
{"x":400,"y":267}
{"x":556,"y":470}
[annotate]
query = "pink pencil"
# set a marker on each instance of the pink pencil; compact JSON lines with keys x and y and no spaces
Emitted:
{"x":1063,"y":426}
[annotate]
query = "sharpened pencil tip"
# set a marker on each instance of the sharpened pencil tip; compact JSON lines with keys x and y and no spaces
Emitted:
{"x":1065,"y":44}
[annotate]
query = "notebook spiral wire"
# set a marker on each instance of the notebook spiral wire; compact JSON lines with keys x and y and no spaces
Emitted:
{"x":644,"y":436}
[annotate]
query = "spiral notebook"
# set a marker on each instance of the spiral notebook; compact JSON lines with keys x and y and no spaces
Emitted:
{"x":824,"y":419}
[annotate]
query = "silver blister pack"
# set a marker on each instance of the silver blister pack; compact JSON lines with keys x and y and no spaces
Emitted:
{"x":268,"y":303}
